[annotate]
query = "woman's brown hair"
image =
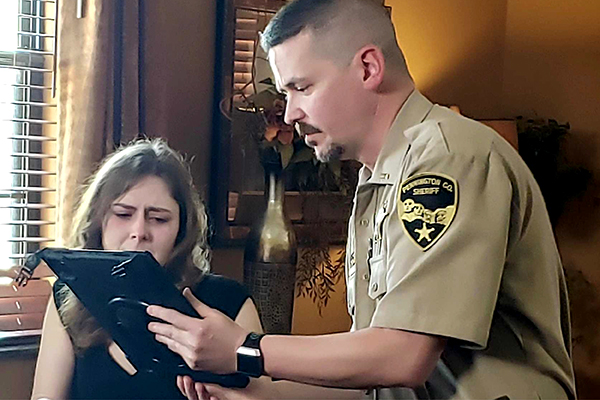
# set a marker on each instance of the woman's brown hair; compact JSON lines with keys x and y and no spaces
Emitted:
{"x":118,"y":173}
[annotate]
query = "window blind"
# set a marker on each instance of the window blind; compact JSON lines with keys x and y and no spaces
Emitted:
{"x":251,"y":17}
{"x":28,"y":128}
{"x":248,"y":55}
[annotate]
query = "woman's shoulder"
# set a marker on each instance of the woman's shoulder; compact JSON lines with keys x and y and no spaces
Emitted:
{"x":224,"y":294}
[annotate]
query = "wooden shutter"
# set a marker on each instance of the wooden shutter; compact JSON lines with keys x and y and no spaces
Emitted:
{"x":28,"y":119}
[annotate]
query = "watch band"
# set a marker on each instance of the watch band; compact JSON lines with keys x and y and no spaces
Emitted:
{"x":250,"y":360}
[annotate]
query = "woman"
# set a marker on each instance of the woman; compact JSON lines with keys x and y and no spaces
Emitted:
{"x":141,"y":198}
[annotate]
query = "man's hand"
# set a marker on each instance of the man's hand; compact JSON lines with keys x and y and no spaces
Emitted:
{"x":208,"y":343}
{"x":204,"y":391}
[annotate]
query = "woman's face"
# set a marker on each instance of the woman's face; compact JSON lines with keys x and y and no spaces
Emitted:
{"x":144,"y":218}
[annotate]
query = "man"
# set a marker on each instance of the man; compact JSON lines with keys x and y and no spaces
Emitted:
{"x":454,"y":281}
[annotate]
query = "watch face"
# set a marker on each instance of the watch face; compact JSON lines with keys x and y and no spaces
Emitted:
{"x":248,"y":351}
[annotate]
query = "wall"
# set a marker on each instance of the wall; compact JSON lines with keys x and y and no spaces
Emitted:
{"x":454,"y":50}
{"x":16,"y":376}
{"x":179,"y":55}
{"x":552,"y":56}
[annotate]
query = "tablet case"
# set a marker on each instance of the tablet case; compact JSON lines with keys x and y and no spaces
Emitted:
{"x":116,"y":287}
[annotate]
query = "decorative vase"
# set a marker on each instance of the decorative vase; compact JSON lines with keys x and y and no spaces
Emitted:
{"x":270,"y":260}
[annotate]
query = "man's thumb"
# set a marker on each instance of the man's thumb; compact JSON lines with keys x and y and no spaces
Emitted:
{"x":202,"y":309}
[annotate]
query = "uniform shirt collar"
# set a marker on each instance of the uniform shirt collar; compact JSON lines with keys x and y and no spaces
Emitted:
{"x":387,"y":167}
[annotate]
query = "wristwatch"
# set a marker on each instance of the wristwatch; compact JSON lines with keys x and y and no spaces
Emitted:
{"x":250,"y":360}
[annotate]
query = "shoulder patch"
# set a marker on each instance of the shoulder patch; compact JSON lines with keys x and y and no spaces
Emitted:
{"x":426,"y":206}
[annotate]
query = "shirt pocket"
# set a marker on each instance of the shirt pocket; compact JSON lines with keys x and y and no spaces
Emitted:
{"x":377,"y":281}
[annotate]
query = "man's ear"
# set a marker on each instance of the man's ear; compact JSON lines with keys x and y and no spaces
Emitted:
{"x":372,"y":64}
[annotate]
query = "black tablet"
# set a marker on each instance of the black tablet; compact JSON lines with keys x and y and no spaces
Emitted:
{"x":116,"y":287}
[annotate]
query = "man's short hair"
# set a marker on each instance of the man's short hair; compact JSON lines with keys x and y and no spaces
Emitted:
{"x":340,"y":27}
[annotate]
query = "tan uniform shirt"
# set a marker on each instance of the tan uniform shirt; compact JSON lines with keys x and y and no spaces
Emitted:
{"x":449,"y":236}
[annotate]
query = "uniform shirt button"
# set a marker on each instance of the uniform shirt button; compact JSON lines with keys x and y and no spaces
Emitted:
{"x":366,"y":276}
{"x":364,"y":222}
{"x":375,"y":287}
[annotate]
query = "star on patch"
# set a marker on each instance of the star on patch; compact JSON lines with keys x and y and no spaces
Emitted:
{"x":426,"y":206}
{"x":424,"y":232}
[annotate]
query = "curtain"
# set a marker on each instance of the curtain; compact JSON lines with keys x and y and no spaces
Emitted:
{"x":97,"y":89}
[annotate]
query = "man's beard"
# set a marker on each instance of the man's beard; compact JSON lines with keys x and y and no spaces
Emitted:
{"x":333,"y":152}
